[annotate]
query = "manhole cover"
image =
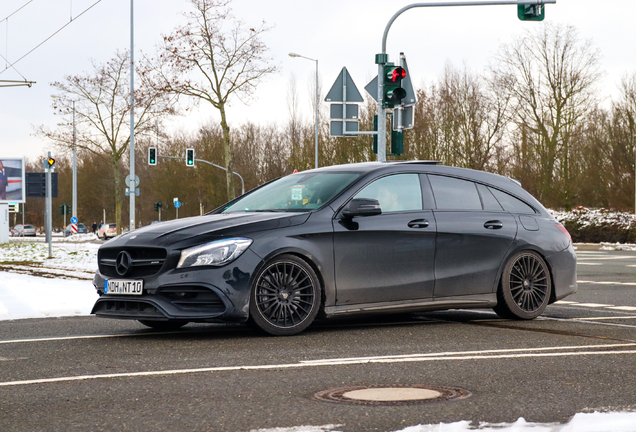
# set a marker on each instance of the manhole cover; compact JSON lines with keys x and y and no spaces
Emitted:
{"x":392,"y":395}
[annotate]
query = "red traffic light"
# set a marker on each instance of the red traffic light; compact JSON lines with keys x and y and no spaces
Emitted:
{"x":396,"y":74}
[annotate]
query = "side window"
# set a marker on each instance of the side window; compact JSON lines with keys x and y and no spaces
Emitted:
{"x":488,"y":199}
{"x":510,"y":203}
{"x":399,"y":192}
{"x":454,"y":194}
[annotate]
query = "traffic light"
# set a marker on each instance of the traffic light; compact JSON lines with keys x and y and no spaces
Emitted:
{"x":190,"y":157}
{"x":158,"y":205}
{"x":534,"y":12}
{"x":393,"y":92}
{"x":50,"y":162}
{"x":152,"y":156}
{"x":65,"y":207}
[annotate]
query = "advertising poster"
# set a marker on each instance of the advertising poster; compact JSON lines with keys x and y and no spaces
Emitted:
{"x":12,"y":184}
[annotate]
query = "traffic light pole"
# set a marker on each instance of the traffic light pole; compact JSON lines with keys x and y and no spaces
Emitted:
{"x":382,"y":58}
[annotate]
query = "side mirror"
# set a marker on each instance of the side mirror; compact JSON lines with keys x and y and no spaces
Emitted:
{"x":362,"y":207}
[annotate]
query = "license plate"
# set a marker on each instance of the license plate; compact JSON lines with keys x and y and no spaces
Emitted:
{"x":122,"y":286}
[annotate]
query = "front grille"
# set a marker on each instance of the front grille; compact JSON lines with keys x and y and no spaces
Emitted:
{"x":193,"y":298}
{"x":145,"y":261}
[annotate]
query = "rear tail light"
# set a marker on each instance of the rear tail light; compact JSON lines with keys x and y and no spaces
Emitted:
{"x":563,"y":230}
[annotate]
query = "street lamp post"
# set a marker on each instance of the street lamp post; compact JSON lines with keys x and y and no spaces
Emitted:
{"x":317,"y":98}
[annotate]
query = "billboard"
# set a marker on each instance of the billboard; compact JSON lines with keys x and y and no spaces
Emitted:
{"x":12,"y":185}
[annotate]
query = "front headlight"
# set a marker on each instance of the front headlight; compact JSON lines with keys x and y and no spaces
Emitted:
{"x":216,"y":253}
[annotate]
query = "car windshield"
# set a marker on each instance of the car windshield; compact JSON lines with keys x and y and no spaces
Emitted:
{"x":112,"y":226}
{"x":29,"y":226}
{"x":296,"y":192}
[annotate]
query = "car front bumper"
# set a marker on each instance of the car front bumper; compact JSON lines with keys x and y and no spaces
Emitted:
{"x":196,"y":294}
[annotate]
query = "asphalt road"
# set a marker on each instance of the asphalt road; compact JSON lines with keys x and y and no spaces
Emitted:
{"x":97,"y":374}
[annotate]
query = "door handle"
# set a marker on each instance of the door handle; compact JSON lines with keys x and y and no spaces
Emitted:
{"x":418,"y":223}
{"x":494,"y":224}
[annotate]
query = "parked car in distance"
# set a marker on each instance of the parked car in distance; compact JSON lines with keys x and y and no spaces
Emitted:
{"x":23,"y":231}
{"x":81,"y":229}
{"x":344,"y":240}
{"x":108,"y":230}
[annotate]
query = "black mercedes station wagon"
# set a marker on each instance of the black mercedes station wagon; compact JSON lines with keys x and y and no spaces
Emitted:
{"x":343,"y":240}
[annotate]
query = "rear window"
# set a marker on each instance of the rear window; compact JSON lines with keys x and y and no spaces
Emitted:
{"x":510,"y":203}
{"x":112,"y":225}
{"x":454,"y":194}
{"x":28,"y":226}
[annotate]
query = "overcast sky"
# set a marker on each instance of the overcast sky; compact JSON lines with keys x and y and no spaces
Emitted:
{"x":336,"y":32}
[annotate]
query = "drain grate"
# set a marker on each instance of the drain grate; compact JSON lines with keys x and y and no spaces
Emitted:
{"x":392,"y":395}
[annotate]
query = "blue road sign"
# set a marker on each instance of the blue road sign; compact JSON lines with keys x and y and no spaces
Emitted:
{"x":73,"y":220}
{"x":177,"y":204}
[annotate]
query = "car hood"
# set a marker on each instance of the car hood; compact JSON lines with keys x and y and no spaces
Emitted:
{"x":181,"y":233}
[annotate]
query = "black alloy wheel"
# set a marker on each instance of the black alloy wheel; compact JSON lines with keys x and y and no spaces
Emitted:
{"x":285,"y":297}
{"x":164,"y":325}
{"x":525,"y":287}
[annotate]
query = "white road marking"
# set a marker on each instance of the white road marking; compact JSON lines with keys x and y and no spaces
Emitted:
{"x":630,"y":265}
{"x":625,"y":308}
{"x":584,"y":263}
{"x":606,"y":258}
{"x":328,"y":362}
{"x":591,"y":305}
{"x":63,"y":338}
{"x":608,"y":283}
{"x":605,"y":318}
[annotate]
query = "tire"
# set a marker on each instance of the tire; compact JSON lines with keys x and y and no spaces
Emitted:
{"x":164,"y":325}
{"x":525,"y":288}
{"x":285,"y":296}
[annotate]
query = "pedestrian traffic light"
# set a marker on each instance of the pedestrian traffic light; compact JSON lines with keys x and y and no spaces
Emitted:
{"x":531,"y":12}
{"x":393,"y":92}
{"x":190,"y":157}
{"x":152,"y":156}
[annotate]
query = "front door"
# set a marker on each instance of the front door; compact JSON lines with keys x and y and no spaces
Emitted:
{"x":387,"y":257}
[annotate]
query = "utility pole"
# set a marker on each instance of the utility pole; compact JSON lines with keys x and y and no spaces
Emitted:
{"x":74,"y":210}
{"x":132,"y":184}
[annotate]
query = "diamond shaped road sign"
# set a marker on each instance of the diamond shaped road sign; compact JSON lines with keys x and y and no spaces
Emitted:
{"x":344,"y":83}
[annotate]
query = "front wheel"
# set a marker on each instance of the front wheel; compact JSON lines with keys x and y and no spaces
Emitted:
{"x":164,"y":325}
{"x":525,"y":287}
{"x":285,"y":297}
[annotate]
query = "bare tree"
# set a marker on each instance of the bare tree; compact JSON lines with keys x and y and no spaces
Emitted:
{"x":102,"y":107}
{"x":550,"y":76}
{"x":213,"y":58}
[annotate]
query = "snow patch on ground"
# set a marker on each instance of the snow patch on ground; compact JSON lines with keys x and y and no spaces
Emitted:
{"x":23,"y":296}
{"x":618,"y":247}
{"x":595,"y":217}
{"x":70,"y":256}
{"x":582,"y":422}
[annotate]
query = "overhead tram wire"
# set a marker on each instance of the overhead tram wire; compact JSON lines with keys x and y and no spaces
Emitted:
{"x":10,"y":15}
{"x":45,"y":40}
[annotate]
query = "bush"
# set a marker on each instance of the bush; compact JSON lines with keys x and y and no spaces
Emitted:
{"x":598,"y":225}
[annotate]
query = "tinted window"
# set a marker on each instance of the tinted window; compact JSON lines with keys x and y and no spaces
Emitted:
{"x":454,"y":194}
{"x":488,"y":199}
{"x":510,"y":203}
{"x":399,"y":192}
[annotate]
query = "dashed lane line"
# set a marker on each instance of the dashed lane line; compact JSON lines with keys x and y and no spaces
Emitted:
{"x":584,"y":263}
{"x":607,"y":283}
{"x":475,"y":355}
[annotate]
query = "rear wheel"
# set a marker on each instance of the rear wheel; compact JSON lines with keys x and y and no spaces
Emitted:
{"x":525,"y":287}
{"x":164,"y":325}
{"x":285,"y":297}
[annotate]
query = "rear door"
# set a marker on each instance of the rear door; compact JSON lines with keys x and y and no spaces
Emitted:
{"x":473,"y":237}
{"x":388,"y":257}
